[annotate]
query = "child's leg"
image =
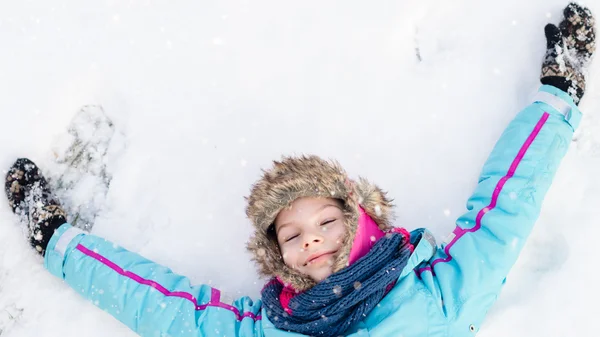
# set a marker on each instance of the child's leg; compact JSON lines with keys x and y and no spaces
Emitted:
{"x":30,"y":196}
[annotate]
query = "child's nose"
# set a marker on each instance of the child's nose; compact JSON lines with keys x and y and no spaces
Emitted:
{"x":312,"y":240}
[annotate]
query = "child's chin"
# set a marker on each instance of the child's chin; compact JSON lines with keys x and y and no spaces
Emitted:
{"x":320,"y":276}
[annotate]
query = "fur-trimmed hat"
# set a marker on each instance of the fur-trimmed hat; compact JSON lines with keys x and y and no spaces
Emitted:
{"x":308,"y":176}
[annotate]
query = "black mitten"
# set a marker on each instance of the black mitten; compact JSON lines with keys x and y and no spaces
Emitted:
{"x":30,"y":197}
{"x":578,"y":29}
{"x":569,"y":50}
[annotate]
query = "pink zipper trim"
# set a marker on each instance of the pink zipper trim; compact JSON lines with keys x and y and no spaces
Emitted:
{"x":215,"y":299}
{"x":459,"y":232}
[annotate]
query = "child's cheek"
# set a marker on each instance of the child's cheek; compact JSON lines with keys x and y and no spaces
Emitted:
{"x":286,"y":258}
{"x":339,"y":234}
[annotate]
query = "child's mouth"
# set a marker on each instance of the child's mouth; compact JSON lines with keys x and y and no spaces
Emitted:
{"x":320,"y":259}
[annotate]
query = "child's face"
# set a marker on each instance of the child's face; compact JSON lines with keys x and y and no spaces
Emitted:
{"x":310,"y":234}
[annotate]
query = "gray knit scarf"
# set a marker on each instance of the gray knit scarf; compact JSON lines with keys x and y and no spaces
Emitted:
{"x":335,"y":304}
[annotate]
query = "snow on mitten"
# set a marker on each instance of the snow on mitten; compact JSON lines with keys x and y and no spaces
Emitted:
{"x":557,"y":69}
{"x":578,"y":29}
{"x":30,"y":197}
{"x":22,"y":174}
{"x":569,"y":50}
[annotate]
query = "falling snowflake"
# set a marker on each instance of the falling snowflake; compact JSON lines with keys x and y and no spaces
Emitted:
{"x":337,"y":290}
{"x":378,"y":210}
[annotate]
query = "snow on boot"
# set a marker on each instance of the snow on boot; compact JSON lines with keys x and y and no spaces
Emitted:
{"x":568,"y":51}
{"x":30,"y":197}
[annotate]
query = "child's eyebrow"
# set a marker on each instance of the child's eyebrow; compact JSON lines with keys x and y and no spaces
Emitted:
{"x":327,"y":205}
{"x":318,"y":210}
{"x":284,"y":225}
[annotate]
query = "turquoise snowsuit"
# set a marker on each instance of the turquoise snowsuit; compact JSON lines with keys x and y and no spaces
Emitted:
{"x":443,"y":291}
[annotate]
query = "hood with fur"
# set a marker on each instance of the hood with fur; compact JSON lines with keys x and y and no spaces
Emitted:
{"x":308,"y":176}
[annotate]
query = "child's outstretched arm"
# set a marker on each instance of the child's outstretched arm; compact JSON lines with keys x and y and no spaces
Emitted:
{"x":147,"y":297}
{"x":470,"y":269}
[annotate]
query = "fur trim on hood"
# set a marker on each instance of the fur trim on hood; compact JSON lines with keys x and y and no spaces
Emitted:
{"x":308,"y":176}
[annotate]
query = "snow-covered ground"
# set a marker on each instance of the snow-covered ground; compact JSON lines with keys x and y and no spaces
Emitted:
{"x":410,"y":94}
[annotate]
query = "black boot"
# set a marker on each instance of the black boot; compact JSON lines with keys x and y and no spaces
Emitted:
{"x":30,"y":197}
{"x":569,"y":49}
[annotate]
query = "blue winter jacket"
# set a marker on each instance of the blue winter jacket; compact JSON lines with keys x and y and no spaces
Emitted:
{"x":443,"y":291}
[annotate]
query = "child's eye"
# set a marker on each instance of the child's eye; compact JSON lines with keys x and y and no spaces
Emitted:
{"x":327,"y":222}
{"x":291,"y":237}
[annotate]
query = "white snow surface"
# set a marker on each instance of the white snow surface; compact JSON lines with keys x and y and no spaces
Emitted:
{"x":409,"y":94}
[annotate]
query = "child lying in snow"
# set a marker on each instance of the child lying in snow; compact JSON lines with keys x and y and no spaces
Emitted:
{"x":337,"y":266}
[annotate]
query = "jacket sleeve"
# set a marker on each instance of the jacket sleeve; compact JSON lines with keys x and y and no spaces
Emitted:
{"x":147,"y":297}
{"x":469,"y":270}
